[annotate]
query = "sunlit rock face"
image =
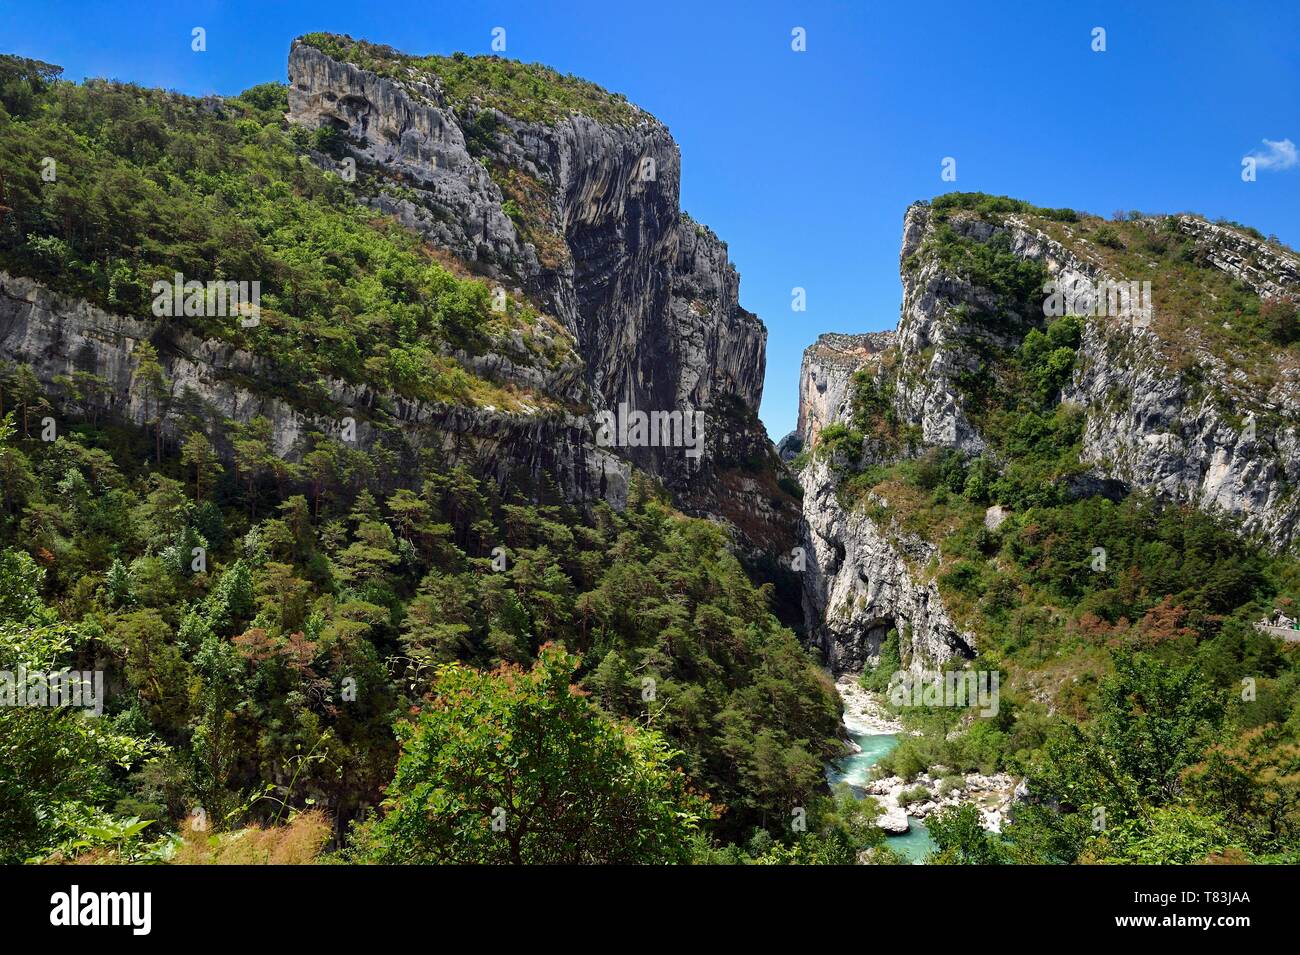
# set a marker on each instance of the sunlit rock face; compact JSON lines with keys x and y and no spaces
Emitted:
{"x":597,"y":237}
{"x":1149,"y":424}
{"x":1234,"y":449}
{"x":826,"y":377}
{"x":56,"y":335}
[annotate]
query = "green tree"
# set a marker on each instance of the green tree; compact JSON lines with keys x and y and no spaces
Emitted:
{"x":56,"y":766}
{"x":197,"y":452}
{"x":152,"y":382}
{"x":960,"y":839}
{"x":562,"y":782}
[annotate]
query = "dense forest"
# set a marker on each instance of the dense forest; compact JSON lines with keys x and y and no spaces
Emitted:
{"x":281,"y":673}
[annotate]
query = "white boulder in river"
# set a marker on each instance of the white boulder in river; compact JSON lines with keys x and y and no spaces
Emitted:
{"x":894,"y":821}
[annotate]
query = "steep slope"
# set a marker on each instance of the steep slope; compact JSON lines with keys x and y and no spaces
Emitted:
{"x":1195,"y":402}
{"x":1084,"y":490}
{"x":517,"y":266}
{"x":1168,"y":399}
{"x":569,"y":195}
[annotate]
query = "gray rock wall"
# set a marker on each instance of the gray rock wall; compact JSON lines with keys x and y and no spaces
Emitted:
{"x":650,"y":295}
{"x":57,"y":335}
{"x":826,"y":377}
{"x":862,"y":579}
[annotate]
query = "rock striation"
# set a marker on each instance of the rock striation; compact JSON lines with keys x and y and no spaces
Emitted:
{"x":582,"y":216}
{"x":1232,"y":448}
{"x":56,"y":335}
{"x":864,"y":579}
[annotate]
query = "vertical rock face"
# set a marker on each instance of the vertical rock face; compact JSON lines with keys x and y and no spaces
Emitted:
{"x":929,"y":357}
{"x":1148,"y":428}
{"x":826,"y":377}
{"x":597,"y":237}
{"x":1232,"y":448}
{"x":862,"y":581}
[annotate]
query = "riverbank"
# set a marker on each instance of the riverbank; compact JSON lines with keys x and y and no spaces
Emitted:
{"x":874,"y":732}
{"x":926,"y":794}
{"x":863,"y":714}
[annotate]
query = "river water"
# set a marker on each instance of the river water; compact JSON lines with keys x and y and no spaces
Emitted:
{"x":854,"y":769}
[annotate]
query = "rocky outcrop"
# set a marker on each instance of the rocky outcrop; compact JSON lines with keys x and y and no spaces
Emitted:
{"x":1150,"y":428}
{"x":826,"y":377}
{"x":1148,"y":424}
{"x":931,"y":352}
{"x":862,"y":580}
{"x":1269,"y":270}
{"x":1229,"y":448}
{"x":582,"y":216}
{"x":208,"y":380}
{"x":408,"y":128}
{"x":788,"y":448}
{"x":994,"y":797}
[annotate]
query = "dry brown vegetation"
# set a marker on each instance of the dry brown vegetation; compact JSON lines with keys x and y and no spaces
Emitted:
{"x":300,"y":841}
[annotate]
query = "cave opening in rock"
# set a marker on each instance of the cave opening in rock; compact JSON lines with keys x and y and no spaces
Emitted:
{"x":874,"y":636}
{"x":861,"y":652}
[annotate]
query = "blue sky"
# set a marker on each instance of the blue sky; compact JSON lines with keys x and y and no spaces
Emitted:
{"x":805,"y":162}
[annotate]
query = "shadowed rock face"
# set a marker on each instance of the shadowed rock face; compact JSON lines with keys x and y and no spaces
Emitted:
{"x":862,"y":581}
{"x":600,"y":242}
{"x":596,"y":237}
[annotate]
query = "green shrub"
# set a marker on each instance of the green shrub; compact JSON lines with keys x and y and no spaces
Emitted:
{"x":916,"y":794}
{"x":951,"y":784}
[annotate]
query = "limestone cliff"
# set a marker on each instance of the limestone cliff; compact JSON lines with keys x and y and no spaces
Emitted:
{"x":1167,"y":405}
{"x":826,"y":377}
{"x":56,"y":336}
{"x":581,"y":214}
{"x":1165,"y":412}
{"x":864,"y":578}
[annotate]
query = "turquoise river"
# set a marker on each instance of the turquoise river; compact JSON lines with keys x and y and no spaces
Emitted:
{"x":855,"y":768}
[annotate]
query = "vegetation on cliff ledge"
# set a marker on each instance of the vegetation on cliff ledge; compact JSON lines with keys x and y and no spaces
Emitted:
{"x":526,"y":91}
{"x":147,"y":184}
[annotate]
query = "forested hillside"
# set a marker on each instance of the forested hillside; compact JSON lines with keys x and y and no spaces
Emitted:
{"x":328,"y":613}
{"x":304,"y":653}
{"x":149,"y":184}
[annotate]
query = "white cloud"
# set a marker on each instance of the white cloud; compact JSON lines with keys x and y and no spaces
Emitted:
{"x":1280,"y":154}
